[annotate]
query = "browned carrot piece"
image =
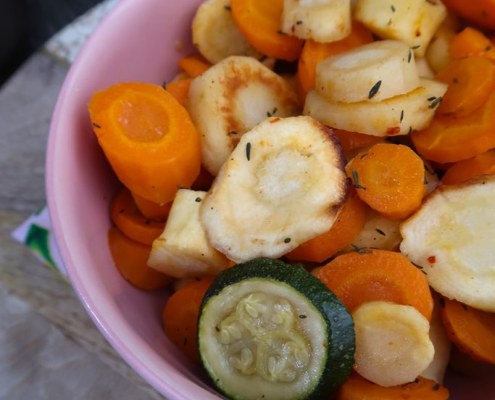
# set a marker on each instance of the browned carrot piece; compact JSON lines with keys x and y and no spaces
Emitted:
{"x":193,"y":65}
{"x":126,"y":216}
{"x":259,"y":22}
{"x":354,"y":140}
{"x":347,"y":226}
{"x":152,"y":210}
{"x":471,"y":330}
{"x":479,"y":12}
{"x":368,"y":275}
{"x":148,"y":138}
{"x":179,"y":88}
{"x":180,"y":316}
{"x":389,"y":178}
{"x":130,"y":259}
{"x":450,"y":139}
{"x":358,"y":388}
{"x":482,"y":164}
{"x":470,"y":80}
{"x":314,"y":52}
{"x":471,"y":42}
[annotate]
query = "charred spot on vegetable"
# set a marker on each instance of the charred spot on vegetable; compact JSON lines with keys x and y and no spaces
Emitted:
{"x":197,"y":199}
{"x":416,"y":265}
{"x":380,"y":232}
{"x":435,"y":387}
{"x":392,"y":7}
{"x":360,"y":250}
{"x":401,"y":115}
{"x":227,"y":8}
{"x":488,"y":48}
{"x":435,"y":101}
{"x":271,"y":113}
{"x":287,"y":240}
{"x":232,"y":133}
{"x":248,"y":151}
{"x":280,"y":32}
{"x":355,"y":180}
{"x":302,"y":316}
{"x":409,"y":56}
{"x":95,"y":125}
{"x":374,"y":90}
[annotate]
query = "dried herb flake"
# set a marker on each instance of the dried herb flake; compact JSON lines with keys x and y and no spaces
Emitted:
{"x":374,"y":90}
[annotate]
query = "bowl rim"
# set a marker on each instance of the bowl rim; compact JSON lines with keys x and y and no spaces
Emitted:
{"x":173,"y":385}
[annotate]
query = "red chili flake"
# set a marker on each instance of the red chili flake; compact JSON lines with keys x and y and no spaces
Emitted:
{"x":394,"y":130}
{"x":432,"y":259}
{"x":273,"y":120}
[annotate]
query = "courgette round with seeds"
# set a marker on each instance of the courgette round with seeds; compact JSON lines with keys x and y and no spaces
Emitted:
{"x":271,"y":330}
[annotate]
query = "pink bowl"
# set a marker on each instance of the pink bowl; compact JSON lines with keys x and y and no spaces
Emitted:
{"x":141,"y":40}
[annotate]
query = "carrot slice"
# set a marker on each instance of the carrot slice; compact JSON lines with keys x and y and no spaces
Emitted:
{"x":180,"y":316}
{"x":482,"y":164}
{"x":358,"y":388}
{"x":148,"y":138}
{"x":471,"y":330}
{"x":127,"y":217}
{"x":368,"y":275}
{"x":130,"y":259}
{"x":314,"y":52}
{"x":470,"y":80}
{"x":355,"y":140}
{"x":347,"y":226}
{"x":194,"y":65}
{"x":471,"y":42}
{"x":179,"y":88}
{"x":480,"y":12}
{"x":389,"y":178}
{"x":259,"y":22}
{"x":450,"y":139}
{"x":151,"y":210}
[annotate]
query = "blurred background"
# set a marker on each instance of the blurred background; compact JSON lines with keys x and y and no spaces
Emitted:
{"x":25,"y":25}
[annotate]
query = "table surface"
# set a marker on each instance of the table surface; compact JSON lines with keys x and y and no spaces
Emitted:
{"x":49,"y":347}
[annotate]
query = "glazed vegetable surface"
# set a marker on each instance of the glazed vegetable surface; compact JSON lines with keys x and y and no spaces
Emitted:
{"x":360,"y":149}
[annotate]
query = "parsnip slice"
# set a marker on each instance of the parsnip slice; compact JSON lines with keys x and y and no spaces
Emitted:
{"x":321,"y":20}
{"x":393,"y":346}
{"x":398,"y":115}
{"x":451,"y":237}
{"x":230,"y":98}
{"x":282,"y":185}
{"x":215,"y":34}
{"x":411,"y":21}
{"x":182,"y":250}
{"x":371,"y":72}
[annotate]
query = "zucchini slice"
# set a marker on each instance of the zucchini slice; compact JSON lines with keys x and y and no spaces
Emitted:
{"x":270,"y":330}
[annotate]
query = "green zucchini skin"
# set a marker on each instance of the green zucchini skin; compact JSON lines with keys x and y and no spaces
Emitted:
{"x":338,"y":321}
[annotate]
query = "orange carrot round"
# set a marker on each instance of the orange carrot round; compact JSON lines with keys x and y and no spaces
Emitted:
{"x":358,"y":388}
{"x":367,"y":275}
{"x":151,"y":210}
{"x":471,"y":330}
{"x":389,"y":178}
{"x":126,"y":216}
{"x":470,"y":81}
{"x":315,"y":52}
{"x":259,"y":22}
{"x":450,"y":139}
{"x":194,"y":65}
{"x":130,"y":259}
{"x":148,"y":138}
{"x":349,"y":223}
{"x":180,"y":316}
{"x":482,"y":164}
{"x":480,"y":12}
